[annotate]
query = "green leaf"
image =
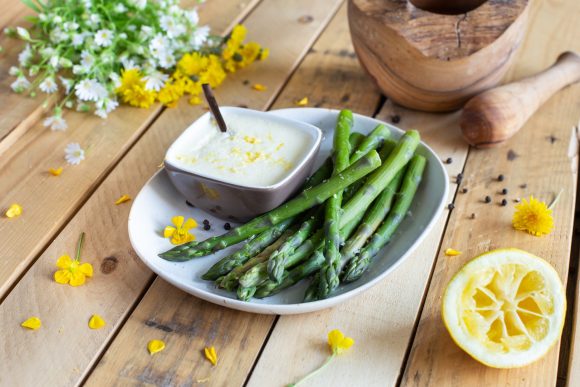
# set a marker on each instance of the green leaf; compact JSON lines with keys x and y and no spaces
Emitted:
{"x":32,"y":19}
{"x":32,"y":5}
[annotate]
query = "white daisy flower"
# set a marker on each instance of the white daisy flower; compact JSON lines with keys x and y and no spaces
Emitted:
{"x":89,"y":90}
{"x":78,"y":69}
{"x":171,"y":26}
{"x":74,"y":154}
{"x":87,"y":59}
{"x":192,"y":16}
{"x":200,"y":36}
{"x":25,"y":56}
{"x":120,"y":8}
{"x":23,"y":33}
{"x":71,"y":26}
{"x":57,"y":35}
{"x":116,"y":79}
{"x":14,"y":71}
{"x":129,"y":64}
{"x":42,"y":17}
{"x":47,"y":52}
{"x":48,"y":85}
{"x":166,"y":60}
{"x":155,"y":81}
{"x":104,"y":38}
{"x":77,"y":39}
{"x":140,"y":4}
{"x":146,"y":31}
{"x":57,"y":19}
{"x":56,"y":123}
{"x":54,"y":62}
{"x":159,"y":43}
{"x":94,"y":19}
{"x":105,"y":106}
{"x":20,"y":84}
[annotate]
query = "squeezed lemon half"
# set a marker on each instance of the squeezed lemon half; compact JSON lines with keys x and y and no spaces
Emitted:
{"x":505,"y":308}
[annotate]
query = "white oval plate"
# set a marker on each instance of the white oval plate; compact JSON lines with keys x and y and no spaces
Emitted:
{"x":158,"y":202}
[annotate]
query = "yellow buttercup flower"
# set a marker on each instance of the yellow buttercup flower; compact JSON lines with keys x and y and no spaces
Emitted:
{"x":123,"y":199}
{"x":72,"y":271}
{"x":180,"y":233}
{"x":238,"y":34}
{"x":193,"y":64}
{"x":211,"y":355}
{"x":533,"y":216}
{"x":14,"y":211}
{"x":132,"y":89}
{"x":338,"y":342}
{"x":155,"y":346}
{"x":96,"y":322}
{"x":32,"y":323}
{"x":129,"y":78}
{"x":55,"y":172}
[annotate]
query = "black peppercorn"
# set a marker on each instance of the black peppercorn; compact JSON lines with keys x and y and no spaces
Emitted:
{"x":464,"y":190}
{"x":504,"y":202}
{"x":395,"y":119}
{"x":449,"y":160}
{"x":206,"y":226}
{"x":227,"y":226}
{"x":504,"y":191}
{"x":488,"y":199}
{"x":451,"y":206}
{"x":500,"y":178}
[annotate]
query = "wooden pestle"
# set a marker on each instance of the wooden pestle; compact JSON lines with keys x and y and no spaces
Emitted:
{"x":497,"y":114}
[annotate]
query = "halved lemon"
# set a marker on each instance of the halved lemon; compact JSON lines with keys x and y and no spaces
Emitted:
{"x":505,"y":308}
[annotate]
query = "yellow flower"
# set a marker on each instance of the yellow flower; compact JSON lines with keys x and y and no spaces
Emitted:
{"x":238,"y":34}
{"x":250,"y":53}
{"x":338,"y":342}
{"x":264,"y":54}
{"x":129,"y":78}
{"x":132,"y":89}
{"x":32,"y":323}
{"x":123,"y":199}
{"x":96,"y":322}
{"x":72,"y":272}
{"x":259,"y":87}
{"x":302,"y":102}
{"x":14,"y":211}
{"x":534,"y":217}
{"x":192,"y":64}
{"x":55,"y":172}
{"x":155,"y":346}
{"x":211,"y":355}
{"x":215,"y":74}
{"x":180,"y":233}
{"x":169,"y":95}
{"x":452,"y":252}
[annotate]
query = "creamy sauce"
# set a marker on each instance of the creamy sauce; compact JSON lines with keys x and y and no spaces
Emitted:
{"x":253,"y":152}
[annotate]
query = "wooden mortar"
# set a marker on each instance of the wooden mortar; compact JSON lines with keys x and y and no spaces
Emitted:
{"x":436,"y":61}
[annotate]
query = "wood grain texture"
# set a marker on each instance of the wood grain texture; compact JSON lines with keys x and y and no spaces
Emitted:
{"x":50,"y":201}
{"x":544,"y":157}
{"x":497,"y":114}
{"x":435,"y":62}
{"x":381,"y":320}
{"x":63,"y":351}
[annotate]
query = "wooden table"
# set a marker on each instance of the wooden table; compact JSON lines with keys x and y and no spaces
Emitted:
{"x":399,"y":335}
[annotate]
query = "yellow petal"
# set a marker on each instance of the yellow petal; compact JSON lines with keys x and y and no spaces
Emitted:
{"x":14,"y":211}
{"x":155,"y":346}
{"x":178,"y":221}
{"x":169,"y":231}
{"x":64,"y":262}
{"x":55,"y":172}
{"x":452,"y":252}
{"x":32,"y":323}
{"x":123,"y":199}
{"x":259,"y":87}
{"x":338,"y":342}
{"x":77,"y":279}
{"x":86,"y":269}
{"x":62,"y":276}
{"x":302,"y":102}
{"x":211,"y":355}
{"x":96,"y":322}
{"x":189,"y":224}
{"x":345,"y":344}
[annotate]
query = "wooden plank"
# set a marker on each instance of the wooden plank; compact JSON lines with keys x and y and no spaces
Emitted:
{"x":546,"y":167}
{"x":113,"y":295}
{"x":49,"y":202}
{"x":380,"y":320}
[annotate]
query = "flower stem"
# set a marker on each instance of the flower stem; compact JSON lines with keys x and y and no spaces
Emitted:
{"x":555,"y":200}
{"x":80,"y":246}
{"x":328,"y":360}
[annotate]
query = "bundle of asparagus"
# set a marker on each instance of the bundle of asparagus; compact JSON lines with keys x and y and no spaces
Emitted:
{"x":348,"y":211}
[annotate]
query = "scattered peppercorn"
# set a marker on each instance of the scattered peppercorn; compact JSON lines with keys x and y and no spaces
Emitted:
{"x":464,"y":190}
{"x":517,"y":200}
{"x":504,"y":191}
{"x":206,"y":226}
{"x":524,"y":186}
{"x":451,"y":206}
{"x":552,"y":139}
{"x":449,"y":160}
{"x":504,"y":202}
{"x":227,"y":226}
{"x":473,"y":215}
{"x":488,"y":199}
{"x":189,"y":204}
{"x":395,"y":119}
{"x":500,"y":178}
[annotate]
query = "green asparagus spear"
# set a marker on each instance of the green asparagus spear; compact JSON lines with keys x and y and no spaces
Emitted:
{"x":332,"y":210}
{"x":307,"y":199}
{"x":358,"y":265}
{"x":253,"y":247}
{"x":374,"y":140}
{"x":379,"y":179}
{"x":328,"y":280}
{"x":230,"y":280}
